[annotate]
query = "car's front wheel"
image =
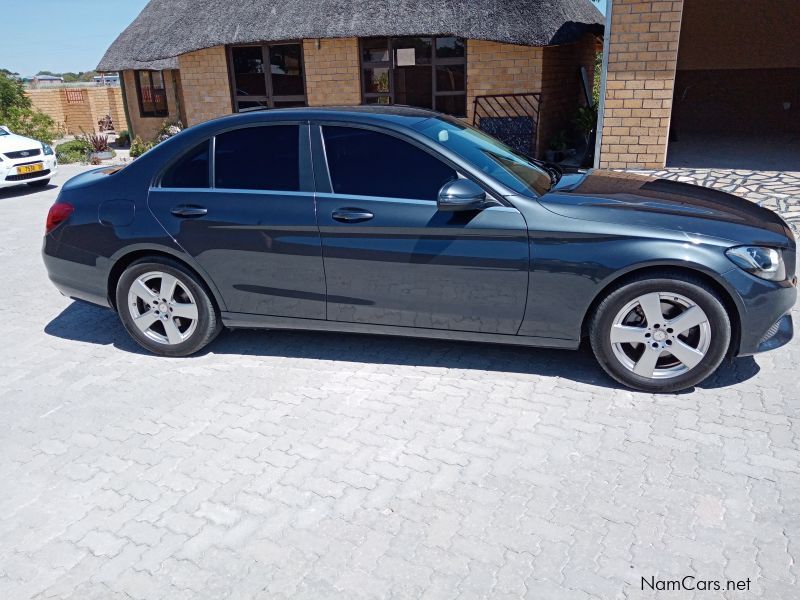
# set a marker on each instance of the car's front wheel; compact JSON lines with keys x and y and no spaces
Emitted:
{"x":165,"y":308}
{"x":661,"y":334}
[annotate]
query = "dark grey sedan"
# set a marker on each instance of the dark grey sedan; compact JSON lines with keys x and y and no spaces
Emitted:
{"x":405,"y":222}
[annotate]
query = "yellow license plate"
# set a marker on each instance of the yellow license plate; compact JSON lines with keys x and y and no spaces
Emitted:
{"x":25,"y":169}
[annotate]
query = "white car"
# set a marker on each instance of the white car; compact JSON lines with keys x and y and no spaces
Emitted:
{"x":23,"y":160}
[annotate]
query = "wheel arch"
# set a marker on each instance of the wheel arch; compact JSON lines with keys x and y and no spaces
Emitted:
{"x":123,"y":262}
{"x":733,"y":309}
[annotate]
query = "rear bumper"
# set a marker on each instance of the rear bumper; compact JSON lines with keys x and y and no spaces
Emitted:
{"x":76,"y":273}
{"x":765,"y":310}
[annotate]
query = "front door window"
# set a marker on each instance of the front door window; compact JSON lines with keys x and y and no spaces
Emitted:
{"x":367,"y":163}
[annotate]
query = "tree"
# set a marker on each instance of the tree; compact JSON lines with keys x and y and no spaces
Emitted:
{"x":71,"y":76}
{"x":12,"y":94}
{"x":17,"y":113}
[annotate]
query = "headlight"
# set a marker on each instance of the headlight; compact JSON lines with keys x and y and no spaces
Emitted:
{"x":766,"y":263}
{"x":48,"y":151}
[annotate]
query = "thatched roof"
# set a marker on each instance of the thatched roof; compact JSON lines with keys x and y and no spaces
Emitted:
{"x":123,"y":64}
{"x":168,"y":28}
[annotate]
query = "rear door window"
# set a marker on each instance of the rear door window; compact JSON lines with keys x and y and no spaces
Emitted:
{"x":259,"y":158}
{"x":191,"y":170}
{"x":363,"y":162}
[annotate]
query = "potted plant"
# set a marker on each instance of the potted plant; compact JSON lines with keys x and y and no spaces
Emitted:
{"x":558,"y":147}
{"x":100,"y":148}
{"x":586,"y":123}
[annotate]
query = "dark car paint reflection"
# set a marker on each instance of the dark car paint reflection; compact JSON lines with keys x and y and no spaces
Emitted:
{"x":526,"y":268}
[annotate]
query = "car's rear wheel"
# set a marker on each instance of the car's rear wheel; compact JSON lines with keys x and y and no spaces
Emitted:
{"x":661,"y":334}
{"x":165,"y":308}
{"x":39,"y":184}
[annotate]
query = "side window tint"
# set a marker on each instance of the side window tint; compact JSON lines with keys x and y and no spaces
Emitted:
{"x":191,"y":171}
{"x":368,"y":163}
{"x":259,"y":158}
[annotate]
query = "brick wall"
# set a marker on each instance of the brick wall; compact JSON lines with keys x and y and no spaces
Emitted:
{"x":562,"y":90}
{"x":107,"y":101}
{"x":642,"y":61}
{"x":50,"y":102}
{"x":495,"y":68}
{"x":147,"y":127}
{"x":206,"y":87}
{"x":333,"y":75}
{"x":85,"y":107}
{"x":332,"y":72}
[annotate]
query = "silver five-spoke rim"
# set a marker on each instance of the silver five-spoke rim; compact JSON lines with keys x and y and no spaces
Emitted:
{"x":660,"y":335}
{"x":162,"y":308}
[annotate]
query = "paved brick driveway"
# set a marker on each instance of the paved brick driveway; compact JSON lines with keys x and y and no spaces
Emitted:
{"x":297,"y":465}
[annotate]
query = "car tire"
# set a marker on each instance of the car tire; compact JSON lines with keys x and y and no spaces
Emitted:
{"x":661,"y":333}
{"x":165,"y":308}
{"x":39,"y":184}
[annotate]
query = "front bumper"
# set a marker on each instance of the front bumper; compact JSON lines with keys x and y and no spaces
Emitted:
{"x":765,"y":310}
{"x":778,"y":335}
{"x":9,"y":175}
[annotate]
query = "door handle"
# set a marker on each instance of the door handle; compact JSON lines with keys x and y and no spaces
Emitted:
{"x":351,"y":215}
{"x":189,"y":211}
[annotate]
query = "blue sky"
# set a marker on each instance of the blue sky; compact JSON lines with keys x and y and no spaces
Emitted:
{"x":60,"y":35}
{"x":65,"y":35}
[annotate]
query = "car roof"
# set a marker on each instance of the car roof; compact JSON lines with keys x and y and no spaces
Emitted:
{"x":396,"y":114}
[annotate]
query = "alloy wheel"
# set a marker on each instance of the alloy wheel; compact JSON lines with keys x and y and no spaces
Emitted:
{"x":660,"y":335}
{"x":162,"y":308}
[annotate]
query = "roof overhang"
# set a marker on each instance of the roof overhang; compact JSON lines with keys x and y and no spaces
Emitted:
{"x":166,"y":29}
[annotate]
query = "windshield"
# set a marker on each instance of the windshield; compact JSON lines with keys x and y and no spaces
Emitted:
{"x":3,"y":132}
{"x":490,"y":155}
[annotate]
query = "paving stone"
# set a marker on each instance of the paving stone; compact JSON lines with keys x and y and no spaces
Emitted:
{"x":102,"y":543}
{"x":287,"y":465}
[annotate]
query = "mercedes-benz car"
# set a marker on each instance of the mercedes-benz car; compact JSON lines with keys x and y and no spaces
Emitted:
{"x":400,"y":221}
{"x":24,"y":160}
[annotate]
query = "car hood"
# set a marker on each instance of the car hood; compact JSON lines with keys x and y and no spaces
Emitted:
{"x":15,"y":143}
{"x":638,"y":200}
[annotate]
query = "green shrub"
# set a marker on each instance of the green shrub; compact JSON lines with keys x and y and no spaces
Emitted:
{"x":31,"y":123}
{"x":12,"y":93}
{"x":560,"y":141}
{"x":74,"y":151}
{"x":67,"y":158}
{"x":169,"y":128}
{"x":585,"y":121}
{"x":139,"y":147}
{"x":124,"y":138}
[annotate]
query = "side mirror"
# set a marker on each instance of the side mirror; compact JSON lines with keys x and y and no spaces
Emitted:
{"x":461,"y":194}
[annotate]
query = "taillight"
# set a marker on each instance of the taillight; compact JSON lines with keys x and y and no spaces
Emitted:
{"x":59,"y":213}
